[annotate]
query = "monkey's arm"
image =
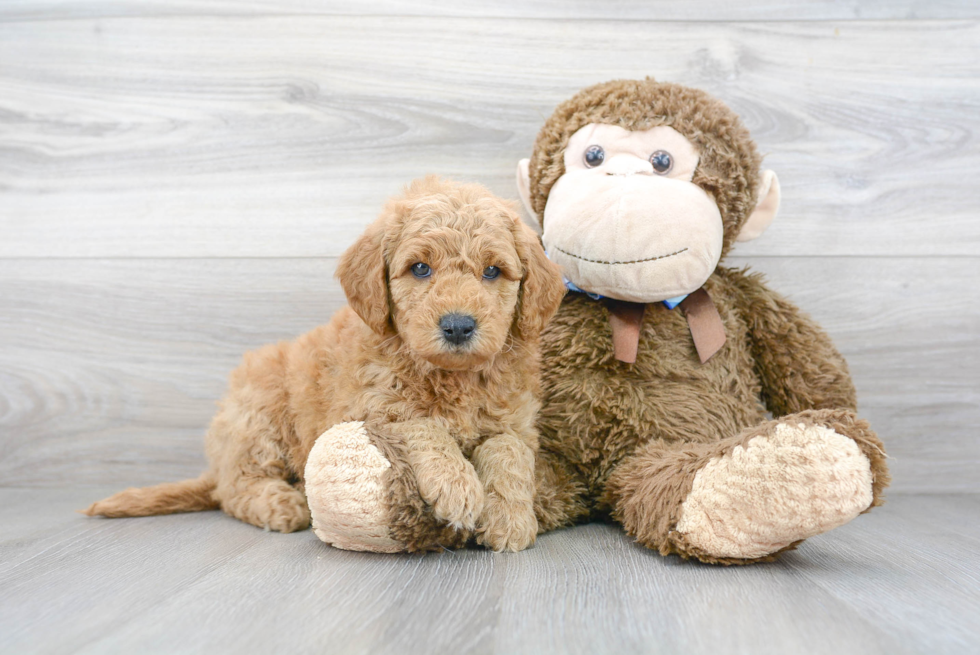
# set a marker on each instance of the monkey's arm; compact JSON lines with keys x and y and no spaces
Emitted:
{"x":797,"y":364}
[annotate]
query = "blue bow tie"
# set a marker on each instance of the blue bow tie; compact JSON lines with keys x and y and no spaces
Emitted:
{"x":670,"y":303}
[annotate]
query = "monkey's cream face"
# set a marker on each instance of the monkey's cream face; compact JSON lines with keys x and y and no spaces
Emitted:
{"x":626,"y":221}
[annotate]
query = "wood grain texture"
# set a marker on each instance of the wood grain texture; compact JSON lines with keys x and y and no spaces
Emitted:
{"x":921,"y":551}
{"x":205,"y":583}
{"x":659,"y":10}
{"x":223,"y":136}
{"x":110,"y":370}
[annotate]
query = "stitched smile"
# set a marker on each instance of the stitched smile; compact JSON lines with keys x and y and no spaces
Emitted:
{"x":635,"y":261}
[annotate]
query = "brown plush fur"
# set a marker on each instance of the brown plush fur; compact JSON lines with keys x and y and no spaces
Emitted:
{"x":629,"y":438}
{"x":383,"y":360}
{"x":647,"y":490}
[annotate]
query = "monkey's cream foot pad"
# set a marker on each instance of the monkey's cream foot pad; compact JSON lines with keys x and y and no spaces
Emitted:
{"x":349,"y":507}
{"x":794,"y":483}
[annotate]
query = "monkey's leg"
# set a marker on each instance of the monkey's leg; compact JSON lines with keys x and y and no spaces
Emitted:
{"x":747,"y":498}
{"x":560,"y":495}
{"x":363,"y":494}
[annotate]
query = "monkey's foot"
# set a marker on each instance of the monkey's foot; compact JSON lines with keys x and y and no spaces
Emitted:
{"x":363,"y":495}
{"x":347,"y":490}
{"x":784,"y":482}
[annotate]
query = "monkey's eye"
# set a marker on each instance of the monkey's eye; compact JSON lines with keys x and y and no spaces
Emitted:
{"x":594,"y":156}
{"x":662,"y":162}
{"x":491,"y":273}
{"x":421,"y":270}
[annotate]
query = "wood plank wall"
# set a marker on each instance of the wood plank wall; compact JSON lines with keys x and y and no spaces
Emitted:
{"x":177,"y":179}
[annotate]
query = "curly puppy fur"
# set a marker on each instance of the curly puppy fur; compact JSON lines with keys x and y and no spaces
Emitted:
{"x":459,"y":417}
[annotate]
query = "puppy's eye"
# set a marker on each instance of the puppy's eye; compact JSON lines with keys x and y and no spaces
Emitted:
{"x":421,"y":270}
{"x":662,"y":162}
{"x":594,"y":155}
{"x":490,"y":272}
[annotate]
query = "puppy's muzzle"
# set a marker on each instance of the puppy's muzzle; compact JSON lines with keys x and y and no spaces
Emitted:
{"x":457,"y":329}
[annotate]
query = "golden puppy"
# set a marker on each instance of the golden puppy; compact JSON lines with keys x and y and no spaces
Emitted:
{"x":448,"y":294}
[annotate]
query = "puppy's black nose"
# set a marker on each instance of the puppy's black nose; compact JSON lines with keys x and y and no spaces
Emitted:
{"x":457,"y":328}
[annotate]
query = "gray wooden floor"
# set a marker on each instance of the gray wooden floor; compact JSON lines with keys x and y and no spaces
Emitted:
{"x":177,"y":178}
{"x":903,"y":579}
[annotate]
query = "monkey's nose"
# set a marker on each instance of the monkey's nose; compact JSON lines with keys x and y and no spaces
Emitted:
{"x":457,"y":328}
{"x":627,"y":165}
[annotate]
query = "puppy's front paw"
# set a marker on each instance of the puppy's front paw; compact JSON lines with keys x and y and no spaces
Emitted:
{"x":507,"y":525}
{"x":456,"y":496}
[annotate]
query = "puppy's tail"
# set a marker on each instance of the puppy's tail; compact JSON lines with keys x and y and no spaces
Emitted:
{"x":169,"y":498}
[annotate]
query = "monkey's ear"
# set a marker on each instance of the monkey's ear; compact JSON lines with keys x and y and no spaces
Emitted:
{"x":524,"y":191}
{"x":363,"y":274}
{"x":542,"y":286}
{"x":765,"y":208}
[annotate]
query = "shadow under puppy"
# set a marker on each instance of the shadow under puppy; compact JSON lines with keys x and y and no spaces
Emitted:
{"x":435,"y":360}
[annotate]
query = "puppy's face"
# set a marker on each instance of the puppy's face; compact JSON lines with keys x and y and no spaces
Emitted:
{"x":455,"y":277}
{"x":451,"y":269}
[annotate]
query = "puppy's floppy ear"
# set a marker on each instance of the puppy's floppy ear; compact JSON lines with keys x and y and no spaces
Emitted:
{"x":363,"y":273}
{"x":542,"y":287}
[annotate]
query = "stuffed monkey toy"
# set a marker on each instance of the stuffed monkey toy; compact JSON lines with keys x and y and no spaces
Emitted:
{"x":660,"y":366}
